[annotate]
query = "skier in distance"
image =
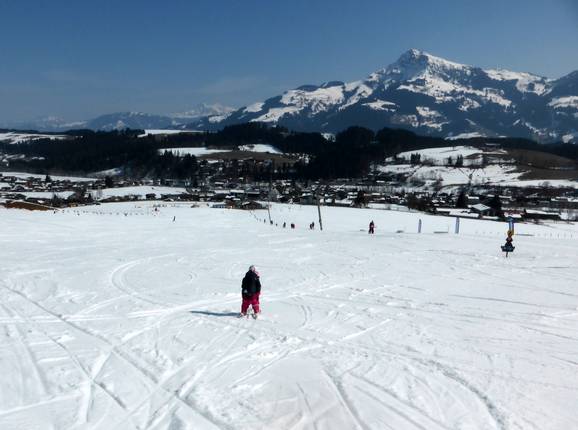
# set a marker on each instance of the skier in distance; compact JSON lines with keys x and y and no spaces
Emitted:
{"x":250,"y":291}
{"x":371,"y":227}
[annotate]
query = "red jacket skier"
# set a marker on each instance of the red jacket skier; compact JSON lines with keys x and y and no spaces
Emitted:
{"x":250,"y":291}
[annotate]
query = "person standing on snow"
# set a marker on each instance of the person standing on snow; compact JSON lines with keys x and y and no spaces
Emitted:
{"x":371,"y":227}
{"x":250,"y":291}
{"x":509,"y":246}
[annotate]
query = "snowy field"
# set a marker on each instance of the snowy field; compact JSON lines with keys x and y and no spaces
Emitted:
{"x":439,"y":156}
{"x":196,"y":151}
{"x":260,"y":147}
{"x":141,"y":191}
{"x":18,"y":137}
{"x":114,"y":321}
{"x":494,"y":174}
{"x":504,"y":173}
{"x":200,"y":151}
{"x":24,"y":175}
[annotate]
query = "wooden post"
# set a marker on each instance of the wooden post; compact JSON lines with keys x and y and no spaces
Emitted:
{"x":272,"y":167}
{"x":319,"y":212}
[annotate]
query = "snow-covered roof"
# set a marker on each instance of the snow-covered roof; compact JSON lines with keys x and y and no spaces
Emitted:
{"x":480,"y":207}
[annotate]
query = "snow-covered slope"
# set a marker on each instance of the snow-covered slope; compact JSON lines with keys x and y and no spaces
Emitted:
{"x":260,"y":148}
{"x":202,"y":110}
{"x":14,"y":137}
{"x":483,"y":167}
{"x":430,"y":95}
{"x":196,"y":151}
{"x":441,"y":155}
{"x":200,"y":151}
{"x":116,"y":317}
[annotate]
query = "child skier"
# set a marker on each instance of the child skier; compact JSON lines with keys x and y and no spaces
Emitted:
{"x":509,"y":246}
{"x":250,"y":291}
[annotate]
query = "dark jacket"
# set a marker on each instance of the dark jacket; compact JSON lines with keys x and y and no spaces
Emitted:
{"x":251,"y":284}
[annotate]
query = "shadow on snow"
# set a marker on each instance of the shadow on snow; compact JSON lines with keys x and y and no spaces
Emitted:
{"x":215,"y":314}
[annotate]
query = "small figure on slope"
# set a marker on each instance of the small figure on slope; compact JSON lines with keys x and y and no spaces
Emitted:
{"x":371,"y":227}
{"x":509,"y":246}
{"x":250,"y":291}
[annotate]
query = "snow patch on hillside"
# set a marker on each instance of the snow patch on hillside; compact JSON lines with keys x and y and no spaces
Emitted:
{"x":450,"y":176}
{"x":255,"y":107}
{"x":465,"y":136}
{"x":525,"y":82}
{"x":467,"y":104}
{"x":196,"y":151}
{"x":445,"y":91}
{"x":274,"y":114}
{"x":316,"y":100}
{"x":570,"y":137}
{"x":362,"y":91}
{"x":430,"y":118}
{"x":381,"y":105}
{"x":564,"y":102}
{"x":218,"y":118}
{"x":440,"y":155}
{"x":18,"y":137}
{"x":260,"y":148}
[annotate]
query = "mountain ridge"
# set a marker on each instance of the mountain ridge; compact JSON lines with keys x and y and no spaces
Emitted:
{"x":420,"y":92}
{"x":123,"y":119}
{"x":429,"y":95}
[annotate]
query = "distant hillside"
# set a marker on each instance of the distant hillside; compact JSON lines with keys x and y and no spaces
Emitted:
{"x":351,"y":153}
{"x":483,"y":165}
{"x":123,"y":120}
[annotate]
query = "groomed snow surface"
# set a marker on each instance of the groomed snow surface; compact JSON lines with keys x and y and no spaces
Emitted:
{"x":116,"y":317}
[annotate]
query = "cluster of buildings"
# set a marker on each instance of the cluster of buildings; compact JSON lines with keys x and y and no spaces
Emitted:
{"x":527,"y":203}
{"x":31,"y":191}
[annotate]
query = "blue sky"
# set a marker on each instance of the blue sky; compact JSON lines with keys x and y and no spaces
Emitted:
{"x":78,"y":59}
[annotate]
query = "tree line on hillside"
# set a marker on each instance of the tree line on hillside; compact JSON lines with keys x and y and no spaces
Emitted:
{"x":350,"y":154}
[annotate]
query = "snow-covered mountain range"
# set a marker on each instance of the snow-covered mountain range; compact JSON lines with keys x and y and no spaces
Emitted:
{"x":429,"y":95}
{"x":419,"y":92}
{"x":122,"y":120}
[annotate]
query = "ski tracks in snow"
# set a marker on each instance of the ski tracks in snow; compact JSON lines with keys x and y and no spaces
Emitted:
{"x":392,"y":331}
